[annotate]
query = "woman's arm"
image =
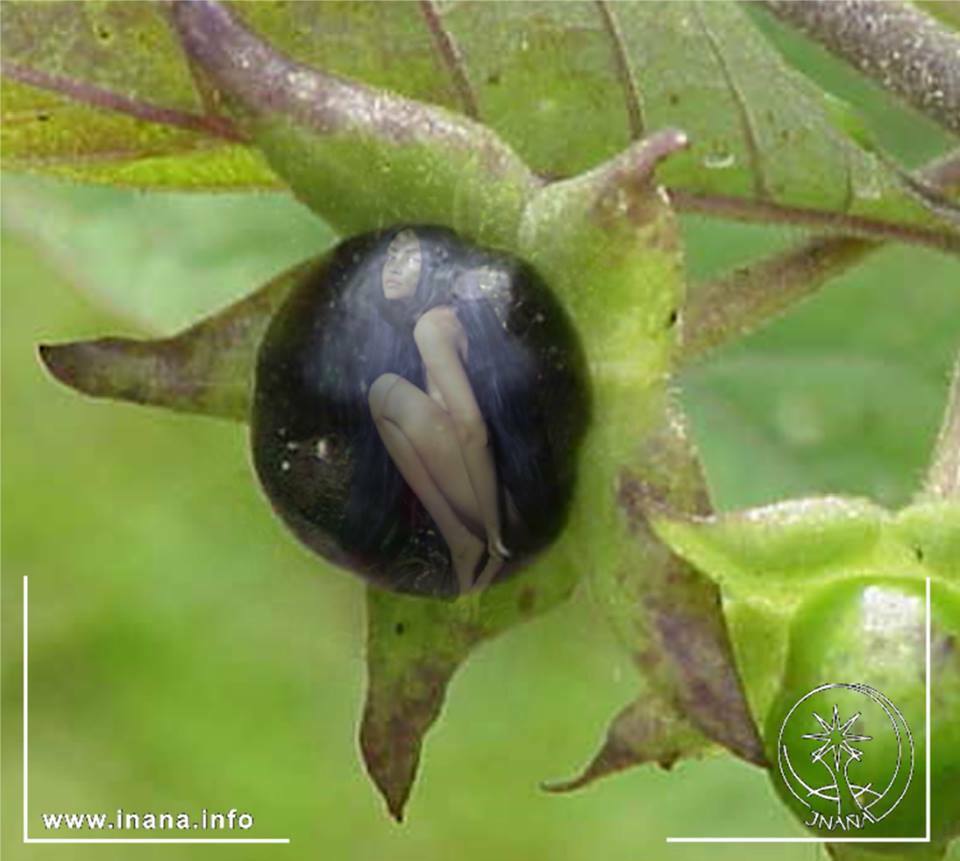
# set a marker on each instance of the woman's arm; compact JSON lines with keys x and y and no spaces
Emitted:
{"x":435,"y":335}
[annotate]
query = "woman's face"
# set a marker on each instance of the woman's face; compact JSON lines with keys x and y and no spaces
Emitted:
{"x":401,"y":269}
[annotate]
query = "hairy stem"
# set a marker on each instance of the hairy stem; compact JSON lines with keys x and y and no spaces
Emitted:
{"x":353,"y":152}
{"x":735,"y":304}
{"x":906,"y":51}
{"x":943,"y":174}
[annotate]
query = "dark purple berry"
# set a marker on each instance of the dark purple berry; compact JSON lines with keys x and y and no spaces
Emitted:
{"x":414,"y":391}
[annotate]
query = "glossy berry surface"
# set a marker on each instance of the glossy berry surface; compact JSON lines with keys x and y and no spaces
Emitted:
{"x":414,"y":396}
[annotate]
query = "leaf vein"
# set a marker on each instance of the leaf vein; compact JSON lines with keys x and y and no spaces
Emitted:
{"x":451,"y":57}
{"x":746,"y":120}
{"x":632,"y":98}
{"x":98,"y":97}
{"x":745,"y":209}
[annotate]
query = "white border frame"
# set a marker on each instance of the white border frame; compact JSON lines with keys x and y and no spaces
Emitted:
{"x":26,"y":814}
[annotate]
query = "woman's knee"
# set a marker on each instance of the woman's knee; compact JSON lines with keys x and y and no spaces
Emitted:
{"x":378,"y":392}
{"x":432,"y":429}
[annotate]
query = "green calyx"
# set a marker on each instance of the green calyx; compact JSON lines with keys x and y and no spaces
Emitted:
{"x":606,"y":243}
{"x":832,"y":591}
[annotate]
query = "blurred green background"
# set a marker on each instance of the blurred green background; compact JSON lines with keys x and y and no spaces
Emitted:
{"x":187,"y":653}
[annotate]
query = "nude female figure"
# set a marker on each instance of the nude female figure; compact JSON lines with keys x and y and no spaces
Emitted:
{"x":438,"y":438}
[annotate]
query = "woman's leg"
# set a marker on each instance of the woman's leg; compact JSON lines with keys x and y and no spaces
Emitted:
{"x":430,"y":429}
{"x":420,"y":438}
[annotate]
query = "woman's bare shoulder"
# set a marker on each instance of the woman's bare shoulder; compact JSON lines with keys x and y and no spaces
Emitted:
{"x":442,"y":318}
{"x":441,"y":322}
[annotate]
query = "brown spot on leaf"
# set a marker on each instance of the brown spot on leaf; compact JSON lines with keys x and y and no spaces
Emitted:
{"x":526,"y":600}
{"x":647,"y":660}
{"x":635,"y":498}
{"x":693,"y":637}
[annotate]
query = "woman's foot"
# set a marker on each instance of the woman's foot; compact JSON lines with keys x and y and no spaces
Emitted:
{"x":466,"y":559}
{"x":496,"y":547}
{"x":490,"y":570}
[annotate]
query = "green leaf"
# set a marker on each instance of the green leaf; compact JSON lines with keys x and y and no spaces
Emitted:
{"x":775,"y":553}
{"x":125,"y":49}
{"x":161,"y":260}
{"x":943,"y":474}
{"x":798,"y":399}
{"x":947,"y":13}
{"x":100,"y":92}
{"x":760,"y":132}
{"x":859,"y":852}
{"x":768,"y":560}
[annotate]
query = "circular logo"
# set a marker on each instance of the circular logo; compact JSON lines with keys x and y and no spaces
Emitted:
{"x":824,"y":755}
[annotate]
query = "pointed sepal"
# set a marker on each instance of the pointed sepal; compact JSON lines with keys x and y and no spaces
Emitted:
{"x":206,"y":369}
{"x":647,"y":730}
{"x":415,"y":645}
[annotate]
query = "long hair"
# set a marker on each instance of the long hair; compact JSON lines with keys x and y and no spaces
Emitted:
{"x":381,"y":510}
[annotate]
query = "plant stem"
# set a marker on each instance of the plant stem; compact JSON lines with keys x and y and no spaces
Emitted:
{"x":743,"y":300}
{"x":736,"y":304}
{"x":905,"y":50}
